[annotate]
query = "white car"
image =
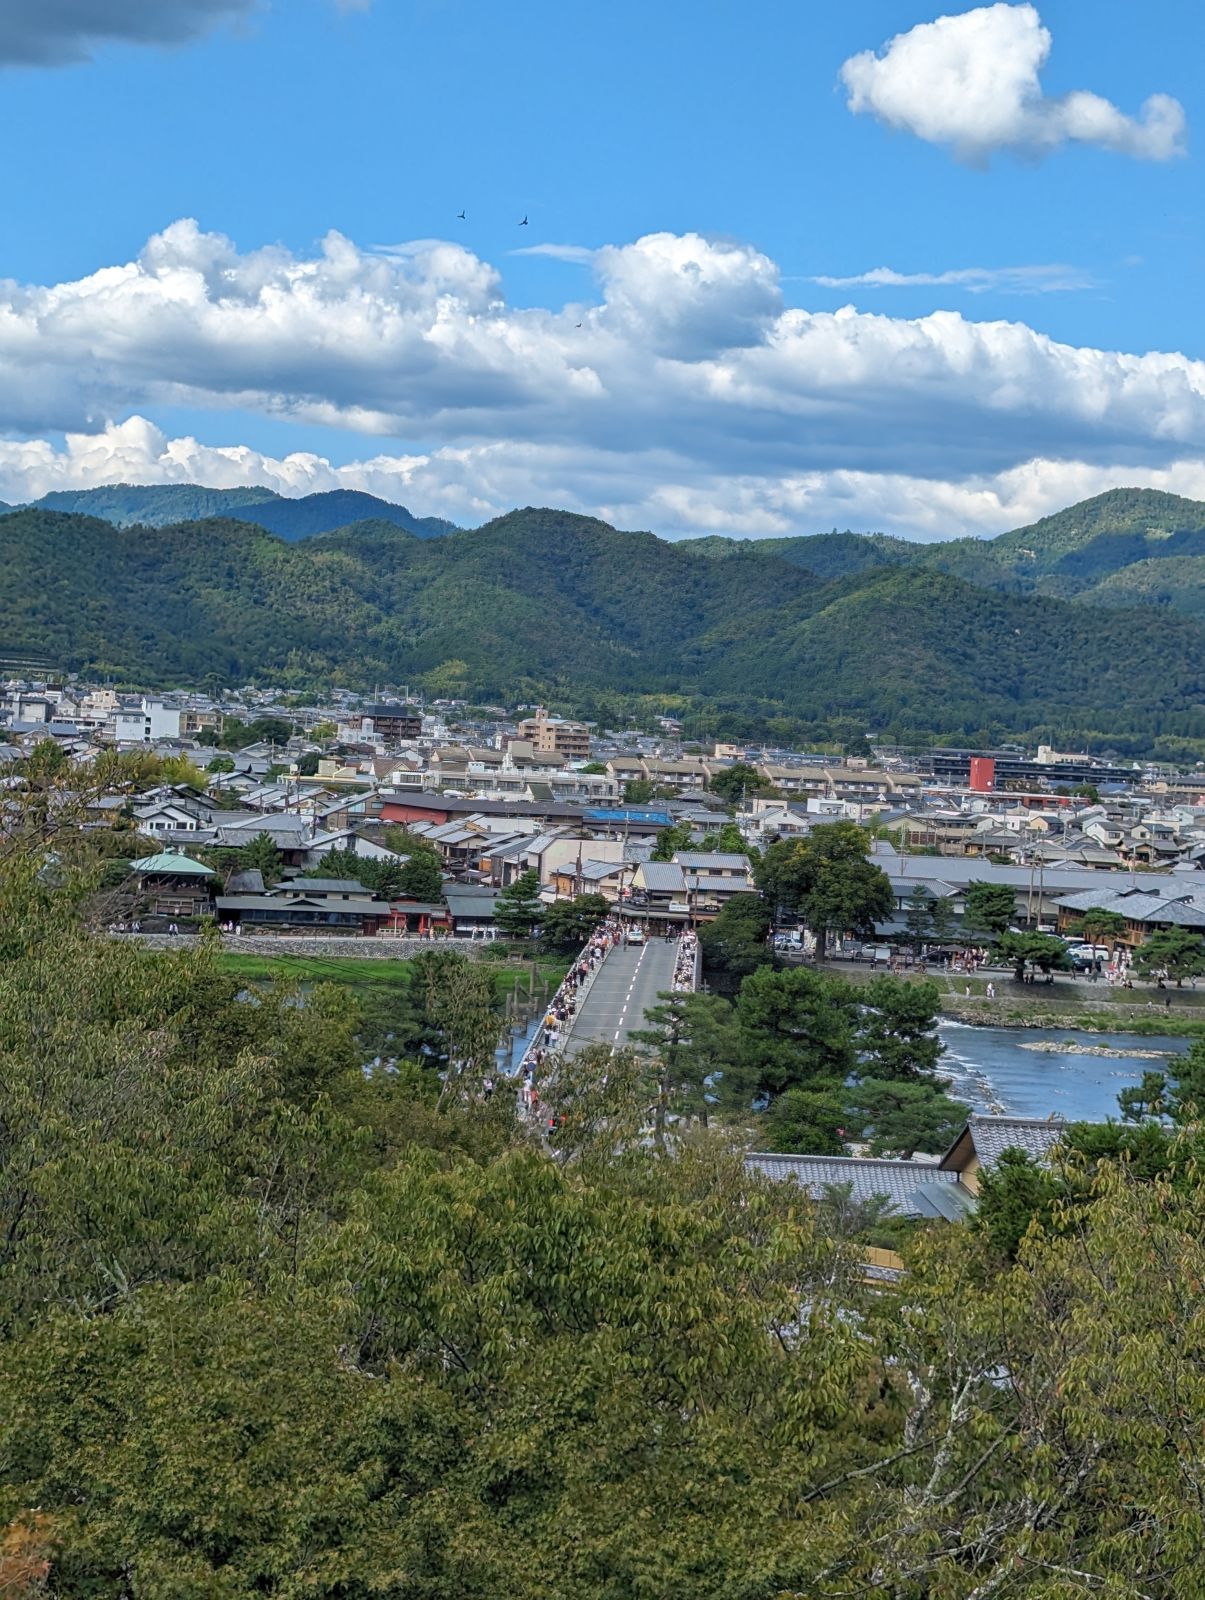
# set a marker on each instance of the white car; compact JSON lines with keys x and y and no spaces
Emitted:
{"x":635,"y":936}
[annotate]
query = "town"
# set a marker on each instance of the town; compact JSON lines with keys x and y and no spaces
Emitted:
{"x":496,"y":796}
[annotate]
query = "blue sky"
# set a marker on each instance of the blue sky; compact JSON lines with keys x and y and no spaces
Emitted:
{"x":692,"y":399}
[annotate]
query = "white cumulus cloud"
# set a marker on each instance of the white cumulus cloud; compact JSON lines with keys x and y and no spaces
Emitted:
{"x":972,"y":81}
{"x":682,"y":393}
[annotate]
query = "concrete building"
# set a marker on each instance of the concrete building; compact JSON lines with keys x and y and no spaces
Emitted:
{"x":557,"y":736}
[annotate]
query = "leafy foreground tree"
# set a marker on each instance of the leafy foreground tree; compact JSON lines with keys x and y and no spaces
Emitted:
{"x":275,"y":1326}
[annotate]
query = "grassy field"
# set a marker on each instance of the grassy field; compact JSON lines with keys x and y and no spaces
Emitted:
{"x":546,"y":971}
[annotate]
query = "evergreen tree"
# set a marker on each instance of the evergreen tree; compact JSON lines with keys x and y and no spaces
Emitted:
{"x":519,"y":910}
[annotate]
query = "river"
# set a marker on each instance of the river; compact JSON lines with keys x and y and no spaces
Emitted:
{"x":991,"y":1070}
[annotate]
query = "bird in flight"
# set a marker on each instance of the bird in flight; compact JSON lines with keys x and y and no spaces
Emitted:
{"x":460,"y":216}
{"x":523,"y":224}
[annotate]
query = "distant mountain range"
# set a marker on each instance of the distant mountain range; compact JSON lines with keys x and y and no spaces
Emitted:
{"x":1127,"y":547}
{"x":160,"y":505}
{"x":1036,"y":634}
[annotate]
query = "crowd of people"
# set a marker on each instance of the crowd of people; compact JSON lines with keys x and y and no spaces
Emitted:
{"x":686,"y":965}
{"x":562,"y":1009}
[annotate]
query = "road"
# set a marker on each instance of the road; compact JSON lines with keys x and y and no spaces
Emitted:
{"x":627,"y":984}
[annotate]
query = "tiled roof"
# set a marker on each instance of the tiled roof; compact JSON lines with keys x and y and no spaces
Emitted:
{"x":992,"y":1136}
{"x":711,"y":860}
{"x":662,"y":877}
{"x":907,"y":1186}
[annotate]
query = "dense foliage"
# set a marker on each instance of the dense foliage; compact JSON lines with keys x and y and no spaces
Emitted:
{"x":278,"y":1325}
{"x":542,"y":604}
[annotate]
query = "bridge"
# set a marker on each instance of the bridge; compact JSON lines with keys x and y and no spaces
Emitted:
{"x":624,"y":988}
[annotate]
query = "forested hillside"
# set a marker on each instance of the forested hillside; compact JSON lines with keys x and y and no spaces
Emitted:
{"x":1129,"y":546}
{"x":544,"y":602}
{"x":161,"y":505}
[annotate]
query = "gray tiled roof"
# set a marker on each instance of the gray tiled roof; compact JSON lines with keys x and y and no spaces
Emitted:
{"x":1184,"y":911}
{"x":904,"y":1184}
{"x":662,"y":877}
{"x":992,"y":1136}
{"x":712,"y":860}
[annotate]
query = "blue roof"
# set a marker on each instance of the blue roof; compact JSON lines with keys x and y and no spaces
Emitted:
{"x":630,"y":814}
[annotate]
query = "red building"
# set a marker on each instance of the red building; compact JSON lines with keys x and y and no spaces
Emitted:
{"x":983,"y":774}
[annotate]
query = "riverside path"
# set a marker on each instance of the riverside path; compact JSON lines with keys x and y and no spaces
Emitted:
{"x":626,"y":986}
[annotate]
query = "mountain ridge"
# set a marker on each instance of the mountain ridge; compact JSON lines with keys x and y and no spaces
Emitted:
{"x":541,"y":603}
{"x":290,"y":517}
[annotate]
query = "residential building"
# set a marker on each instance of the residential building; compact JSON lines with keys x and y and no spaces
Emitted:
{"x":557,"y":736}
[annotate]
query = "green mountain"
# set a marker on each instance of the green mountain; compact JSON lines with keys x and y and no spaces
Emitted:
{"x":1084,"y":552}
{"x":162,"y":505}
{"x":544,"y":602}
{"x":826,"y":555}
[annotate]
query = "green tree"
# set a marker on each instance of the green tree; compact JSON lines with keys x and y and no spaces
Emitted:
{"x":728,"y":839}
{"x":988,"y":909}
{"x":261,"y":855}
{"x":814,"y":1121}
{"x":1176,"y":953}
{"x":941,"y":919}
{"x":917,"y":913}
{"x":897,"y":1029}
{"x":220,"y":764}
{"x":1101,"y":927}
{"x":796,"y":1027}
{"x":420,"y":878}
{"x":568,"y":924}
{"x":1012,"y":1194}
{"x":519,"y":910}
{"x":678,"y":836}
{"x":827,"y":880}
{"x":594,"y":769}
{"x":689,"y":1039}
{"x":898,"y":1118}
{"x":307,"y":764}
{"x":734,"y":943}
{"x":737,"y":782}
{"x":1040,"y":950}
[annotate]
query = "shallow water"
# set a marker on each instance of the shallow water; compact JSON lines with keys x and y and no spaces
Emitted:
{"x":991,"y":1071}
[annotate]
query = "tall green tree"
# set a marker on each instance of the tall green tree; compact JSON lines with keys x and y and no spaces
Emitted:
{"x":898,"y":1117}
{"x":828,"y":881}
{"x":896,"y":1034}
{"x":988,"y":909}
{"x":734,"y":943}
{"x":941,"y":919}
{"x":420,"y":878}
{"x":917,"y":913}
{"x":1036,"y":950}
{"x":795,"y":1027}
{"x":519,"y":910}
{"x":568,"y":924}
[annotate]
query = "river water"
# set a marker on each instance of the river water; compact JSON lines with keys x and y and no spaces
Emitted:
{"x":992,"y":1072}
